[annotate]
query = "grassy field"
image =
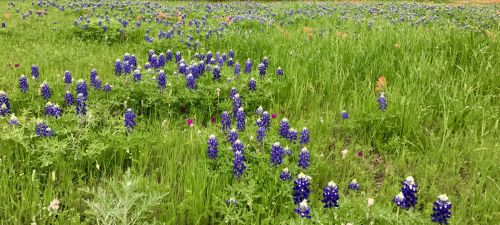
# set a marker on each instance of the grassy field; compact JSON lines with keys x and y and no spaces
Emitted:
{"x":442,"y":85}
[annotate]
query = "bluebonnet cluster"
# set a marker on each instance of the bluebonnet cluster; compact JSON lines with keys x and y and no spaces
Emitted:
{"x":276,"y":156}
{"x":118,"y":67}
{"x":43,"y":130}
{"x":232,"y":93}
{"x":292,"y":135}
{"x":240,"y":119}
{"x":232,"y":136}
{"x":284,"y":127}
{"x":162,"y":80}
{"x":4,"y":104}
{"x":81,"y":88}
{"x":382,"y":102}
{"x":287,"y":151}
{"x":304,"y":136}
{"x":81,"y":105}
{"x":35,"y":72}
{"x":178,"y":57}
{"x":45,"y":91}
{"x":285,"y":174}
{"x":216,"y":73}
{"x":237,"y":69}
{"x":330,"y":195}
{"x":248,"y":66}
{"x":344,"y":115}
{"x":239,"y":159}
{"x":68,"y":98}
{"x":301,"y":189}
{"x":262,"y":70}
{"x":236,"y":103}
{"x":408,"y":196}
{"x":212,"y":147}
{"x":190,"y":82}
{"x":261,"y":134}
{"x":107,"y":88}
{"x":303,"y":158}
{"x":259,"y":111}
{"x":137,"y":75}
{"x":265,"y":120}
{"x":53,"y":110}
{"x":23,"y":84}
{"x":252,"y":84}
{"x":225,"y":121}
{"x":13,"y":120}
{"x":231,"y":201}
{"x":279,"y":71}
{"x":303,"y":210}
{"x":353,"y":185}
{"x":68,"y":79}
{"x":129,"y":119}
{"x":441,"y":210}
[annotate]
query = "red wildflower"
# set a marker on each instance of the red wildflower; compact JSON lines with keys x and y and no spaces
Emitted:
{"x":189,"y":122}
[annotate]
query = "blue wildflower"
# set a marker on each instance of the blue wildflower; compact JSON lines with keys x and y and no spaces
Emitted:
{"x":344,"y":114}
{"x":45,"y":91}
{"x":441,"y":210}
{"x":285,"y":174}
{"x":409,"y":189}
{"x":240,"y":119}
{"x":232,"y":93}
{"x":237,"y":69}
{"x":23,"y":84}
{"x":107,"y":88}
{"x":304,"y":136}
{"x":236,"y":103}
{"x":81,"y":88}
{"x":303,"y":210}
{"x":262,"y":70}
{"x":168,"y":57}
{"x":276,"y":155}
{"x":35,"y":73}
{"x":212,"y":147}
{"x":259,"y":111}
{"x":216,"y":73}
{"x":261,"y":134}
{"x":43,"y":130}
{"x":118,"y":67}
{"x":353,"y":185}
{"x":304,"y":158}
{"x":68,"y":79}
{"x":162,"y":80}
{"x":399,"y":200}
{"x":279,"y":71}
{"x":287,"y":151}
{"x":284,"y":127}
{"x":231,"y":53}
{"x":238,"y":164}
{"x":230,"y":62}
{"x":252,"y":84}
{"x":81,"y":105}
{"x":301,"y":189}
{"x":127,"y":68}
{"x":330,"y":195}
{"x":129,"y":119}
{"x":225,"y":121}
{"x":13,"y":121}
{"x":231,"y":201}
{"x":292,"y":135}
{"x":266,"y":119}
{"x":178,"y":57}
{"x":137,"y":75}
{"x":248,"y":66}
{"x":382,"y":102}
{"x":232,"y":136}
{"x":190,"y":82}
{"x":68,"y":98}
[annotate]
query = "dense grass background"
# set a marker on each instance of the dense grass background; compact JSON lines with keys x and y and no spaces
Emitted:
{"x":441,"y":126}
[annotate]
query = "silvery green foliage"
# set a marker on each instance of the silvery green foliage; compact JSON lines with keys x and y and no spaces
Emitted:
{"x":124,"y":202}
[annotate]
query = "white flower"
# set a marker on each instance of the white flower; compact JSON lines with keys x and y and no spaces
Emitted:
{"x":371,"y":202}
{"x":344,"y":153}
{"x":54,"y":205}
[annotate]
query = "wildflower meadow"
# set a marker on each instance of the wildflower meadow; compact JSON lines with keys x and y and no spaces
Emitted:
{"x":269,"y":112}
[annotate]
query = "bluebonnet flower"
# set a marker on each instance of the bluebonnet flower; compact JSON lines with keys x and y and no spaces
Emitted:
{"x":182,"y":68}
{"x":265,"y":61}
{"x":230,"y":62}
{"x":161,"y":60}
{"x":178,"y":57}
{"x":147,"y":65}
{"x":237,"y":145}
{"x":43,"y":130}
{"x":409,"y":189}
{"x":13,"y":121}
{"x":147,"y":38}
{"x":231,"y":201}
{"x":304,"y":136}
{"x":382,"y":102}
{"x":239,"y":164}
{"x":52,"y":110}
{"x":107,"y":88}
{"x":162,"y":80}
{"x":232,"y":93}
{"x":118,"y":67}
{"x":209,"y":57}
{"x":68,"y":98}
{"x":4,"y":109}
{"x":285,"y":174}
{"x":344,"y":114}
{"x":231,"y":53}
{"x":212,"y":147}
{"x":213,"y":61}
{"x":225,"y":121}
{"x":252,"y":84}
{"x":330,"y":195}
{"x":68,"y":79}
{"x":292,"y":135}
{"x":279,"y":71}
{"x":237,"y":69}
{"x":97,"y":83}
{"x":133,"y":61}
{"x":190,"y":82}
{"x":400,"y":201}
{"x":266,"y":119}
{"x":261,"y":134}
{"x":353,"y":185}
{"x":220,"y":61}
{"x":137,"y":75}
{"x":232,"y":136}
{"x":240,"y":119}
{"x":23,"y":84}
{"x":441,"y":210}
{"x":284,"y":127}
{"x":35,"y":73}
{"x":236,"y":103}
{"x":3,"y":24}
{"x":81,"y":88}
{"x":129,"y":119}
{"x":45,"y":91}
{"x":287,"y":151}
{"x":81,"y":105}
{"x":168,"y":57}
{"x":259,"y":111}
{"x":248,"y":66}
{"x":304,"y":158}
{"x":127,"y":68}
{"x":301,"y":189}
{"x":216,"y":73}
{"x":262,"y":70}
{"x":303,"y":209}
{"x":276,"y":155}
{"x":151,"y":54}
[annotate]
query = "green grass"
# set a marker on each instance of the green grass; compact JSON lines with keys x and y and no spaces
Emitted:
{"x":441,"y":125}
